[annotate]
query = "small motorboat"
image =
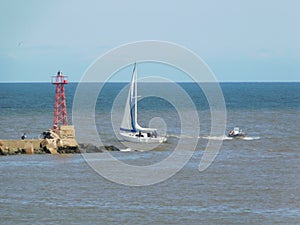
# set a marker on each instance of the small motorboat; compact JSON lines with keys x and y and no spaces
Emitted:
{"x":236,"y":132}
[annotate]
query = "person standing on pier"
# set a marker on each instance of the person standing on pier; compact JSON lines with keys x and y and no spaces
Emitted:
{"x":23,"y":136}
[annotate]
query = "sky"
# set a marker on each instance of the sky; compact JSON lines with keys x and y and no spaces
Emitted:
{"x":239,"y":40}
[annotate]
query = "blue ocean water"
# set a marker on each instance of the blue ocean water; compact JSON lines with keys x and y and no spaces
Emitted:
{"x":28,"y":107}
{"x":250,"y":182}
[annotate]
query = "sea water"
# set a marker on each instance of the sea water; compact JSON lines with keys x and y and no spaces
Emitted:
{"x":252,"y":181}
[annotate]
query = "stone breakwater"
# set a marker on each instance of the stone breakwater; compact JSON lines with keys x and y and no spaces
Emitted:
{"x":59,"y":141}
{"x":89,"y":148}
{"x":33,"y":146}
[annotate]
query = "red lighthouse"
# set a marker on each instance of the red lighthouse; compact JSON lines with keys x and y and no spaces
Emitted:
{"x":60,"y":109}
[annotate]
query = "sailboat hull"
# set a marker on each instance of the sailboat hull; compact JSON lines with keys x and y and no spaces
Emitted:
{"x":141,"y":138}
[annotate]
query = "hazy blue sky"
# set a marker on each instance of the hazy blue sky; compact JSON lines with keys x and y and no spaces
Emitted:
{"x":257,"y":40}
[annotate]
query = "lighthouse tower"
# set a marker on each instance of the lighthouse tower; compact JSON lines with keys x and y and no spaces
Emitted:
{"x":60,"y":109}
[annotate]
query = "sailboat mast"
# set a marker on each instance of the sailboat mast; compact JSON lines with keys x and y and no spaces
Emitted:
{"x":135,"y":94}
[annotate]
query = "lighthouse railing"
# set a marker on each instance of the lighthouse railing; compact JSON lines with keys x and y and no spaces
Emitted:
{"x":59,"y":79}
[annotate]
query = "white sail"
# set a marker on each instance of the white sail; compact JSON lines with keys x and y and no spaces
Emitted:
{"x":128,"y":122}
{"x":135,"y":97}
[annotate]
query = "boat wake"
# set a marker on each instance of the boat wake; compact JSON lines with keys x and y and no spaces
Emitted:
{"x":180,"y":136}
{"x":126,"y":150}
{"x":226,"y":138}
{"x":222,"y":138}
{"x":250,"y":138}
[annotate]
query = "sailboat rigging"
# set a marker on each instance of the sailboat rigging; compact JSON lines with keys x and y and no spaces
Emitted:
{"x":130,"y":130}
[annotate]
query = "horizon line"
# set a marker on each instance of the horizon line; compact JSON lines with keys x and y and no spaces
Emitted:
{"x":264,"y":81}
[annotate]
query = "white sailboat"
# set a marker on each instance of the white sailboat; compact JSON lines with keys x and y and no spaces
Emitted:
{"x":130,"y":130}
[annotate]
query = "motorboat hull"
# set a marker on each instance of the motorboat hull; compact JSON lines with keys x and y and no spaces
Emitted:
{"x":236,"y":133}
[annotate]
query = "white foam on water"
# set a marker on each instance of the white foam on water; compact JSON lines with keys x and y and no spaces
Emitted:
{"x":180,"y":136}
{"x":224,"y":138}
{"x":126,"y":150}
{"x":250,"y":138}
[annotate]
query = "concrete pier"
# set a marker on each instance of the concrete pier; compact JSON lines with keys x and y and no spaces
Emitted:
{"x":61,"y":140}
{"x":12,"y":147}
